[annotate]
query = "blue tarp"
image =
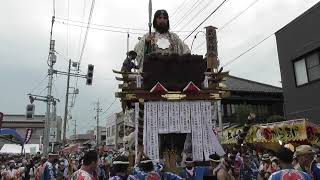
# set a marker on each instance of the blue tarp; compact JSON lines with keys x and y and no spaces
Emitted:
{"x":7,"y":131}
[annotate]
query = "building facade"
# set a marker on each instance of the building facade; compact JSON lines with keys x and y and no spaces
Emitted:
{"x":102,"y":135}
{"x":20,"y":124}
{"x":111,"y":125}
{"x":262,"y":99}
{"x":115,"y":128}
{"x":298,"y":46}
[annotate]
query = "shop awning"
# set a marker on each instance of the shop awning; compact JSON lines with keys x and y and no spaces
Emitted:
{"x":16,"y":148}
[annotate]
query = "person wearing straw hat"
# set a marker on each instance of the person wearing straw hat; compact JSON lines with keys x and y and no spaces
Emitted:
{"x":287,"y":172}
{"x":305,"y":155}
{"x":49,"y":168}
{"x":192,"y":172}
{"x":217,"y":169}
{"x":120,"y":169}
{"x":149,"y":170}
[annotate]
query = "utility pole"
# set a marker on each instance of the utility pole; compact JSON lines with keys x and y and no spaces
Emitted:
{"x":51,"y":61}
{"x":55,"y":133}
{"x":75,"y":129}
{"x":45,"y":99}
{"x":98,"y":109}
{"x":66,"y":105}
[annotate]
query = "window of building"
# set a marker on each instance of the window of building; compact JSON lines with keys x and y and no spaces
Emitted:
{"x":113,"y":130}
{"x":307,"y":69}
{"x":233,"y":109}
{"x":228,"y":109}
{"x":103,"y":137}
{"x":313,"y":67}
{"x":108,"y":132}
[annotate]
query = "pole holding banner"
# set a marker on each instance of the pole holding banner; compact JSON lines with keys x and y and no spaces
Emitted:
{"x":1,"y":118}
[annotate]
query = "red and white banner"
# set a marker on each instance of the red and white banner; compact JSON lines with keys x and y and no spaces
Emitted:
{"x":72,"y":148}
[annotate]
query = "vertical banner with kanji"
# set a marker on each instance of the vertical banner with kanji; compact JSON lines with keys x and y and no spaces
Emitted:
{"x":163,"y":117}
{"x":196,"y":122}
{"x":185,"y":117}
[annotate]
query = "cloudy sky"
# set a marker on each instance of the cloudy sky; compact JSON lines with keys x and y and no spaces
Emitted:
{"x":24,"y":43}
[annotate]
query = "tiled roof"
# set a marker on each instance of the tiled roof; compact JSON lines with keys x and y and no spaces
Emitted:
{"x":239,"y":84}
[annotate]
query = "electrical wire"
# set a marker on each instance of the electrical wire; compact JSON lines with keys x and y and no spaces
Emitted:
{"x":195,"y":36}
{"x":83,"y":14}
{"x":37,"y":86}
{"x":62,"y":56}
{"x":101,"y":25}
{"x":84,"y":43}
{"x":239,"y":14}
{"x":182,"y":4}
{"x":87,"y":31}
{"x":65,"y":21}
{"x":109,"y":106}
{"x":243,"y":53}
{"x":230,"y":21}
{"x":187,"y":13}
{"x":206,"y":19}
{"x":111,"y":114}
{"x":200,"y":11}
{"x":108,"y":30}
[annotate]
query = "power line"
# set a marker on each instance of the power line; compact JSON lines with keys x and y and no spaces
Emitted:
{"x":234,"y":59}
{"x":201,"y":10}
{"x":107,"y":30}
{"x":230,"y":21}
{"x":41,"y":81}
{"x":87,"y":31}
{"x":187,"y":13}
{"x":109,"y":106}
{"x":74,"y":96}
{"x":108,"y":26}
{"x":83,"y":14}
{"x":239,"y":14}
{"x":65,"y":21}
{"x":84,"y":43}
{"x":182,"y":4}
{"x":109,"y":115}
{"x":206,"y":19}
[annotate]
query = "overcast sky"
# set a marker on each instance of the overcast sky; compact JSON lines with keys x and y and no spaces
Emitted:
{"x":24,"y":43}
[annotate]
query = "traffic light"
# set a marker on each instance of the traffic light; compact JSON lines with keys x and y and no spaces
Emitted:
{"x":30,"y":111}
{"x":90,"y":74}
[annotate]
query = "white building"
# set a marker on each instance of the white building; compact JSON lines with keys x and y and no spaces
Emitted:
{"x":19,"y":123}
{"x":102,"y":135}
{"x":111,"y":130}
{"x":115,"y":128}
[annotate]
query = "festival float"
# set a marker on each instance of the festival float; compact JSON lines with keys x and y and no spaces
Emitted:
{"x":273,"y":135}
{"x":174,"y":100}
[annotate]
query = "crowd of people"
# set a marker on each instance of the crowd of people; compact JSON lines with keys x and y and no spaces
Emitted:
{"x":301,"y":164}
